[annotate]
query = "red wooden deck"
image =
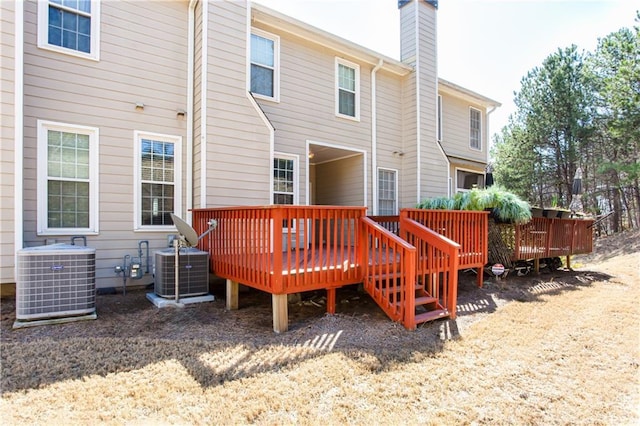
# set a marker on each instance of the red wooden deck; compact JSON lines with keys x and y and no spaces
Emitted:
{"x":404,"y":261}
{"x":327,"y":247}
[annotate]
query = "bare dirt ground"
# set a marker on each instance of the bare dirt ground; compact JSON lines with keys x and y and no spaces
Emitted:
{"x":98,"y":371}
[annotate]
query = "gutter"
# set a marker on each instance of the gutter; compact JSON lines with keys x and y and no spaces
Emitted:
{"x":374,"y":137}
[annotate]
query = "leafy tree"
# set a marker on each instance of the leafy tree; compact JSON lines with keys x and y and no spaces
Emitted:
{"x":614,"y":75}
{"x":578,"y":110}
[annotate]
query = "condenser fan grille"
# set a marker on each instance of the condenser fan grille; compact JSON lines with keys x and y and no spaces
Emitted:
{"x":193,"y":272}
{"x":55,"y":281}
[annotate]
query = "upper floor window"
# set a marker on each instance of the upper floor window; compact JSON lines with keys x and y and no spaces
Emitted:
{"x":264,"y":65}
{"x":347,"y":89}
{"x":158,"y":180}
{"x":69,"y":26}
{"x":387,"y":192}
{"x":475,"y":129}
{"x":67,"y":179}
{"x":439,"y":112}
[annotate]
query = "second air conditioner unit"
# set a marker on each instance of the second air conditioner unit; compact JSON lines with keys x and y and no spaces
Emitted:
{"x":193,"y":272}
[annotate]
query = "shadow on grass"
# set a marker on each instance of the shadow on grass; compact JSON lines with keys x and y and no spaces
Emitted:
{"x":216,"y":346}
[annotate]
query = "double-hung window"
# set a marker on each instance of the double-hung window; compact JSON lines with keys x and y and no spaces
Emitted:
{"x":347,"y":89}
{"x":264,"y":65}
{"x":69,"y":26}
{"x":67,"y":179}
{"x":387,"y":192}
{"x":158,"y":174}
{"x":475,"y":129}
{"x":284,"y":188}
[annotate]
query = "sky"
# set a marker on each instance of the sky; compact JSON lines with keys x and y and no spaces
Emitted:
{"x":486,"y":46}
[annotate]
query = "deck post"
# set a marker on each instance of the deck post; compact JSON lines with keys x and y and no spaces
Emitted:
{"x":280,"y":313}
{"x":331,"y":300}
{"x":480,"y":278}
{"x":233,"y":289}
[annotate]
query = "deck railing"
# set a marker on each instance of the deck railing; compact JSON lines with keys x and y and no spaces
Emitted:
{"x":283,"y":249}
{"x":467,"y":228}
{"x":545,"y":237}
{"x":389,"y":276}
{"x":436,"y":262}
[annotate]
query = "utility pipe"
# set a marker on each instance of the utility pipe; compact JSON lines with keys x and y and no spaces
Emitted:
{"x":374,"y":137}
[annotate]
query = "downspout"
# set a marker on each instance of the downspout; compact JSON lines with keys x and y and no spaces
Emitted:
{"x":446,"y":158}
{"x":190,"y":68}
{"x":374,"y":138}
{"x":418,"y":141}
{"x":254,"y":103}
{"x":203,"y":104}
{"x":18,"y":133}
{"x":439,"y":144}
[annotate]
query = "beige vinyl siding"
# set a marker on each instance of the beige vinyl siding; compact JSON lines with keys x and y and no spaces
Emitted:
{"x":455,"y":124}
{"x":408,"y":34}
{"x":343,"y":182}
{"x":7,"y":150}
{"x":409,"y":171}
{"x":238,"y":145}
{"x":389,"y":128}
{"x":143,"y":59}
{"x":433,"y":164}
{"x":306,"y":110}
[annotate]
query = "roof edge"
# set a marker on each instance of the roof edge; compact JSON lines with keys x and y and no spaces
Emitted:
{"x":272,"y":18}
{"x":455,"y":89}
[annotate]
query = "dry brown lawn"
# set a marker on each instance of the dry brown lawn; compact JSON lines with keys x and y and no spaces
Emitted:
{"x":558,"y":348}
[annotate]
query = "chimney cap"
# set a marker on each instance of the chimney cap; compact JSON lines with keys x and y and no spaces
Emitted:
{"x":433,"y":3}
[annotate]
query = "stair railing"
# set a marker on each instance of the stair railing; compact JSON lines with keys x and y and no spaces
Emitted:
{"x":389,"y":275}
{"x":437,"y":260}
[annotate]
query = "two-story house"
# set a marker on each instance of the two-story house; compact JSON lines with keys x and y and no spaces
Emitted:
{"x":115,"y":114}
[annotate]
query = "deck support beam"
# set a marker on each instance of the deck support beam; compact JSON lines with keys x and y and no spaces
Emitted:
{"x":280,"y":313}
{"x":233,"y":288}
{"x":331,"y":300}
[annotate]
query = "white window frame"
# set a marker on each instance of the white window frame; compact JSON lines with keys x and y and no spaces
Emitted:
{"x":356,"y":67}
{"x":43,"y":31}
{"x":43,"y":128}
{"x":276,"y":65}
{"x":439,"y":118}
{"x":137,"y":171}
{"x":479,"y":147}
{"x":395,"y":201}
{"x":296,"y":160}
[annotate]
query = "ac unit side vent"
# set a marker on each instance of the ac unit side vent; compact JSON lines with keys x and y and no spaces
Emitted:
{"x":193,"y":272}
{"x":55,"y":281}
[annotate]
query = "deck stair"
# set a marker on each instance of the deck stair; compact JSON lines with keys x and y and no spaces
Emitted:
{"x":413,"y":278}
